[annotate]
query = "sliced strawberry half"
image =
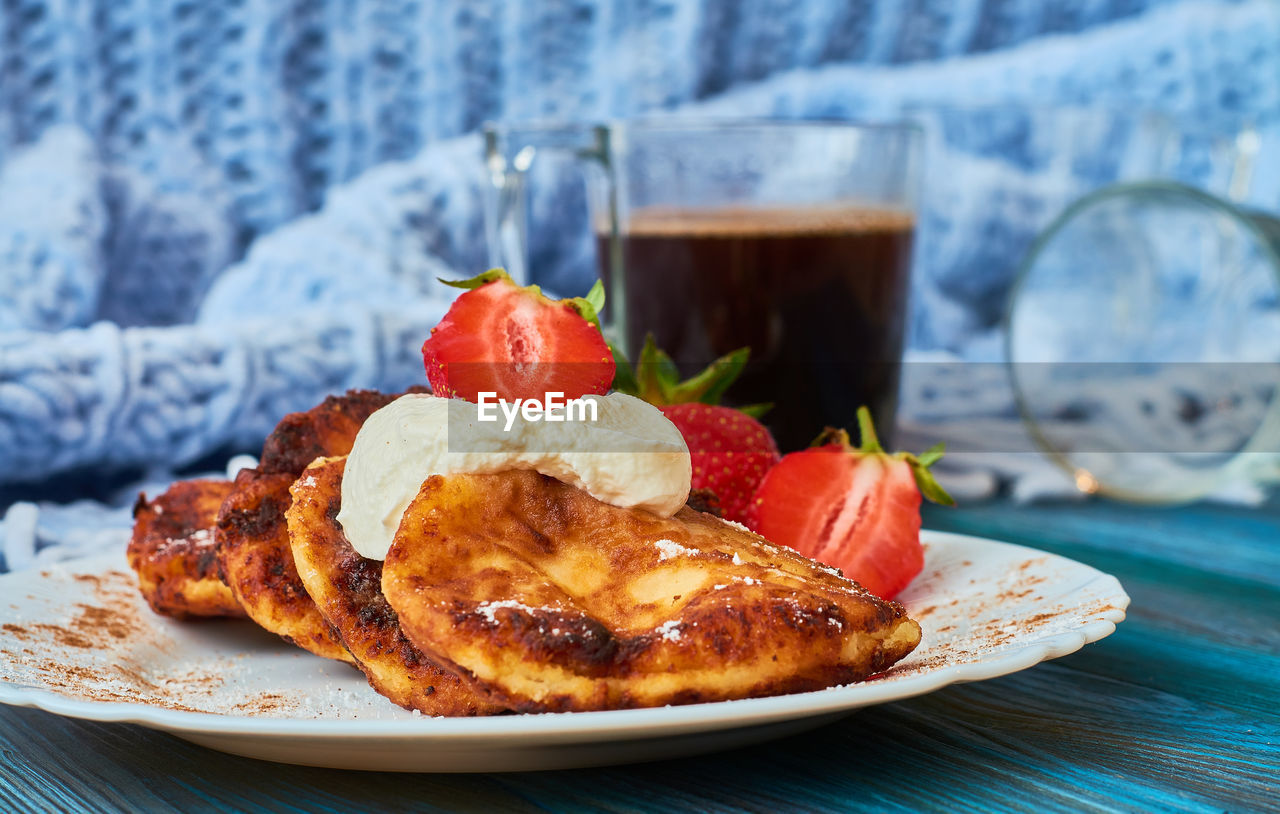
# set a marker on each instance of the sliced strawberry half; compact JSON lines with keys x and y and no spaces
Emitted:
{"x":517,"y":343}
{"x":855,"y":508}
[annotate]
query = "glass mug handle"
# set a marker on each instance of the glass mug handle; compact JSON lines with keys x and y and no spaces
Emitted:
{"x":509,"y":154}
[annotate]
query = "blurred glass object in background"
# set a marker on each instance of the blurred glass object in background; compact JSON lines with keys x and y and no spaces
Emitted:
{"x":1143,"y":337}
{"x":1142,"y":331}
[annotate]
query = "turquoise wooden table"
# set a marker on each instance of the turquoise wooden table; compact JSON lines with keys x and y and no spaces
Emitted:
{"x":1178,"y":710}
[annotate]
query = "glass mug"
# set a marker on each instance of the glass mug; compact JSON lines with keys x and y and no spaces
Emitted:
{"x":791,"y":238}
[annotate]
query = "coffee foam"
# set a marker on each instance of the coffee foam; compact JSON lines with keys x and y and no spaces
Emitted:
{"x":745,"y":221}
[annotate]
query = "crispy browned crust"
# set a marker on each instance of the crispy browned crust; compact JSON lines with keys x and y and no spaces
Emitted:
{"x":347,"y":588}
{"x":172,"y":550}
{"x":553,"y":601}
{"x":257,"y":563}
{"x":253,"y":538}
{"x":325,"y":430}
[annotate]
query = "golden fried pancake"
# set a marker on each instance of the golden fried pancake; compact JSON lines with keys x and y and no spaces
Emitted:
{"x":553,"y":601}
{"x":253,"y":549}
{"x":252,"y":536}
{"x":172,"y":550}
{"x":347,"y":588}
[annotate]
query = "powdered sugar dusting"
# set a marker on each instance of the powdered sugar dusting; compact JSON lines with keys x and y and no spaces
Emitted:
{"x":489,"y":610}
{"x":199,"y":537}
{"x":668,"y":549}
{"x":669,"y":631}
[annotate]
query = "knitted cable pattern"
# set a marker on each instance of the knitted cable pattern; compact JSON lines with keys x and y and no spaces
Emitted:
{"x":286,"y":99}
{"x":115,"y":397}
{"x":51,"y":253}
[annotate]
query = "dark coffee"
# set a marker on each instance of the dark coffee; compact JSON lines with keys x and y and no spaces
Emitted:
{"x":818,"y":294}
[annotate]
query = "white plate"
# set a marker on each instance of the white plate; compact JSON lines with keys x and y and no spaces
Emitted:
{"x":77,"y":640}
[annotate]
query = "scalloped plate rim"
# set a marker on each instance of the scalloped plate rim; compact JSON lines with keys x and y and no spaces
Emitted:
{"x":631,"y":723}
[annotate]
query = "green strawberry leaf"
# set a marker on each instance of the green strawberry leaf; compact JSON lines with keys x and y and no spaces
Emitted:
{"x":756,"y":411}
{"x":929,"y":487}
{"x":708,"y":386}
{"x":832,"y":436}
{"x":595,"y":297}
{"x":933,"y":454}
{"x":479,"y":280}
{"x":656,"y":378}
{"x":653,"y":379}
{"x":624,"y":377}
{"x":868,"y":442}
{"x":668,"y":373}
{"x":591,"y":305}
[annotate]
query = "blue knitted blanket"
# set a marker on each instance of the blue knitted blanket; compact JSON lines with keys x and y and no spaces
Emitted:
{"x":212,"y":214}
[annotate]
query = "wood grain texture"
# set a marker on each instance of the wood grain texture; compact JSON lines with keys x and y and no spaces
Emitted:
{"x":1176,"y":711}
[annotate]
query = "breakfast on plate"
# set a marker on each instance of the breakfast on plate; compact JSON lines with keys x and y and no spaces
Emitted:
{"x":552,"y":530}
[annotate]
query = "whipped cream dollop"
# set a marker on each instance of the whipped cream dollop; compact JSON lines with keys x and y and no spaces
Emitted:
{"x":631,"y":456}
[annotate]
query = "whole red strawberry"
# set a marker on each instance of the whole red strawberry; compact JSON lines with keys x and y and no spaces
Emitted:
{"x":517,"y":343}
{"x":731,"y":452}
{"x":856,"y":508}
